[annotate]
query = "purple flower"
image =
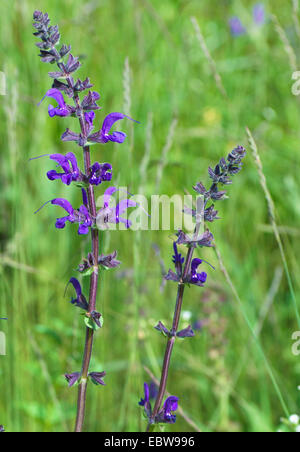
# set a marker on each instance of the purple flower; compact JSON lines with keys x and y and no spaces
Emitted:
{"x":80,"y":216}
{"x":104,"y":135}
{"x":96,"y":378}
{"x":166,"y":415}
{"x":197,"y":278}
{"x":259,"y":14}
{"x":80,"y":301}
{"x":170,"y":405}
{"x":236,"y":26}
{"x":100,"y":173}
{"x":72,"y":378}
{"x":2,"y":429}
{"x":69,"y":166}
{"x":62,"y":109}
{"x":113,"y":215}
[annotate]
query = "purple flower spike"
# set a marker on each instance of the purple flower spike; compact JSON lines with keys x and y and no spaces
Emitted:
{"x":259,"y":16}
{"x":2,"y":429}
{"x":62,"y":109}
{"x":104,"y":135}
{"x":236,"y":27}
{"x":72,"y":379}
{"x":96,"y":378}
{"x":80,"y":301}
{"x":69,"y":166}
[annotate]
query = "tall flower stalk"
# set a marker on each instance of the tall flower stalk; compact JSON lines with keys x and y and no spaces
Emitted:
{"x":186,"y":273}
{"x":88,"y":219}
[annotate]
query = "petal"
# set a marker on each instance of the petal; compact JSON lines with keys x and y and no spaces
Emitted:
{"x":89,"y":117}
{"x":84,"y":197}
{"x":83,"y":229}
{"x":110,"y":120}
{"x":117,"y":137}
{"x":64,"y":204}
{"x":195,"y":264}
{"x":107,"y":195}
{"x":171,"y":404}
{"x":53,"y":175}
{"x":57,"y":95}
{"x":147,"y":395}
{"x":124,"y":205}
{"x":76,"y":284}
{"x":61,"y":222}
{"x":71,"y":158}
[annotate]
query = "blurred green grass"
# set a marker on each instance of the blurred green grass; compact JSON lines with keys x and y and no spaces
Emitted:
{"x":219,"y":376}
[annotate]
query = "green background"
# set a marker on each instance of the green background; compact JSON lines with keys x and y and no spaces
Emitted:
{"x":220,"y":376}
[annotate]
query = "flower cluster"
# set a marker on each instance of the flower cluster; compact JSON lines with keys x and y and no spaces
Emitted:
{"x":165,"y":415}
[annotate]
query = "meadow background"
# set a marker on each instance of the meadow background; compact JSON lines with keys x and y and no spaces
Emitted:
{"x":144,"y":57}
